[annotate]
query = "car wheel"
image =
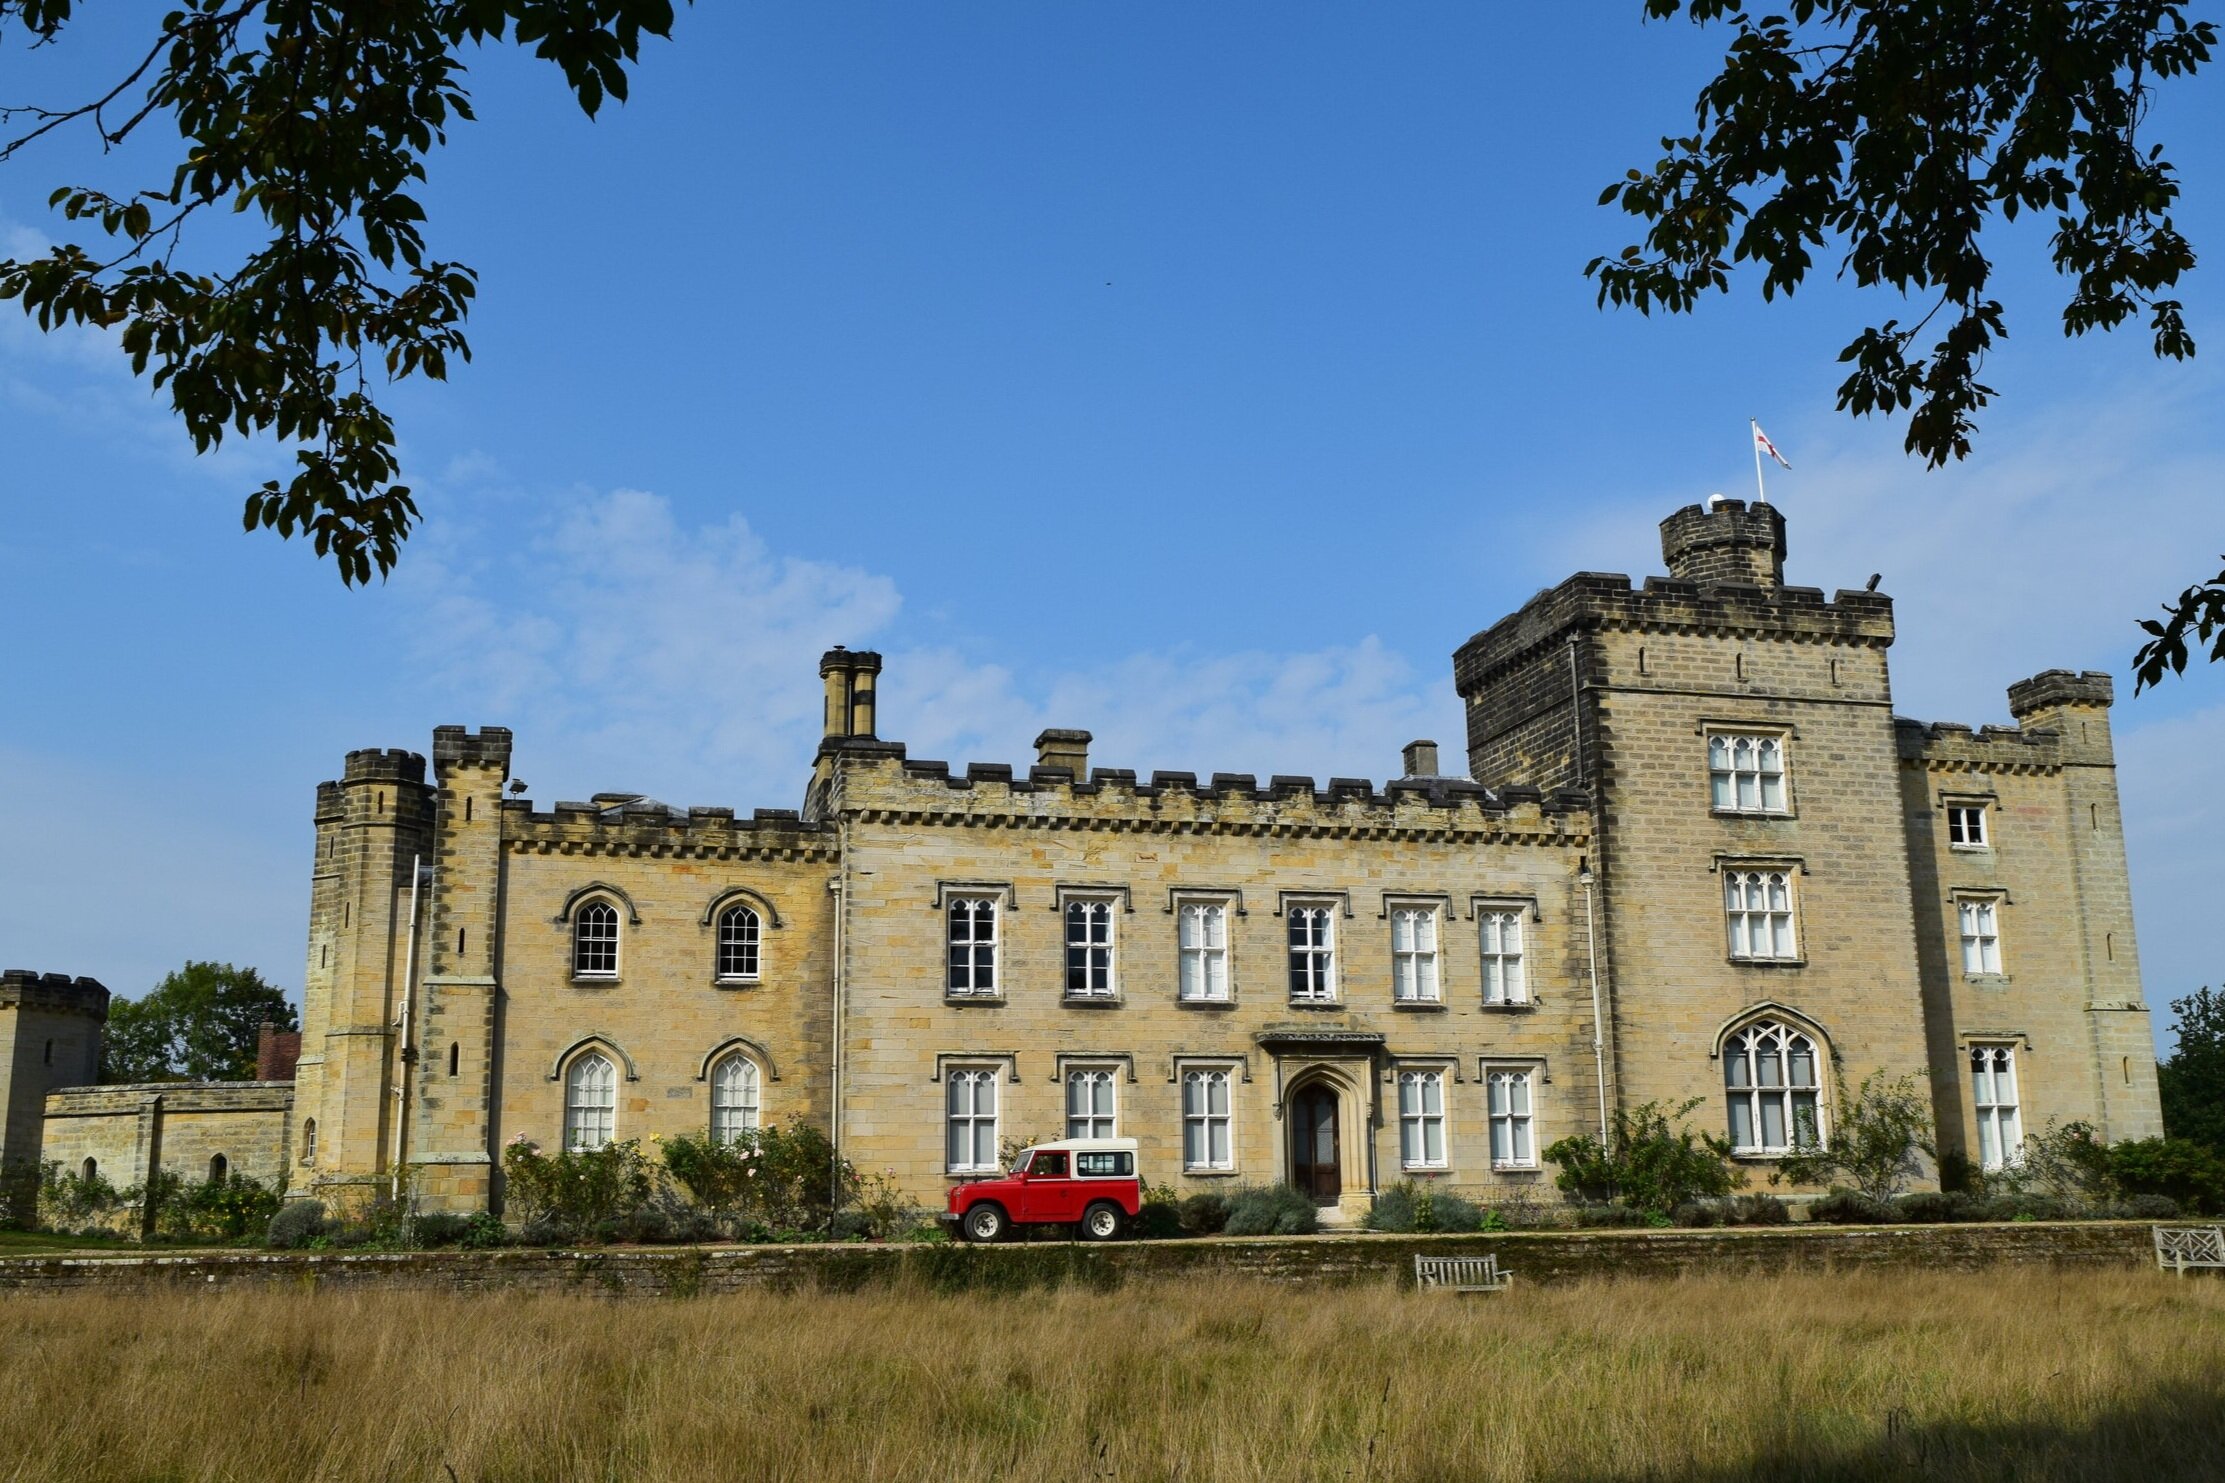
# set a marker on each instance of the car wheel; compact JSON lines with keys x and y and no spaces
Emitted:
{"x":985,"y":1223}
{"x":1101,"y":1221}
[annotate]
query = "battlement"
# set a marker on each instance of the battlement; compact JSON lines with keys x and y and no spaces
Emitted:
{"x":1592,"y":601}
{"x":2053,"y":689}
{"x":57,"y":993}
{"x":1725,"y":541}
{"x":384,"y":765}
{"x":456,"y":746}
{"x":639,"y":825}
{"x":883,"y":783}
{"x":1953,"y":746}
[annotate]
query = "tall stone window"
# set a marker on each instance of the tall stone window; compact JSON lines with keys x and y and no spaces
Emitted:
{"x":590,"y":1102}
{"x":1089,"y":949}
{"x":1993,"y":1090}
{"x":1746,"y":773}
{"x":1414,"y":955}
{"x":739,"y":933}
{"x":309,"y":1140}
{"x":734,"y":1107}
{"x":973,"y":945}
{"x":1513,"y":1135}
{"x":1759,"y":906}
{"x":595,"y":941}
{"x":1204,"y":952}
{"x":1770,"y":1077}
{"x":1313,"y":954}
{"x":1090,"y":1107}
{"x":1979,"y":920}
{"x":1503,"y":979}
{"x":1421,"y":1119}
{"x":1208,"y":1121}
{"x":970,"y":1120}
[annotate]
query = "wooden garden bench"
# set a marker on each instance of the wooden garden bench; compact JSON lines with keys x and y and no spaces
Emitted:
{"x":2180,"y":1247}
{"x":1461,"y":1273}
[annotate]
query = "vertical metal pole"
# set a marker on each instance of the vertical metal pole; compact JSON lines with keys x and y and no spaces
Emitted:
{"x":1598,"y":1038}
{"x":1761,"y":492}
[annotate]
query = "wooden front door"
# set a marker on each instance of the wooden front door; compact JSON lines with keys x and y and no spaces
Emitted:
{"x":1313,"y":1145}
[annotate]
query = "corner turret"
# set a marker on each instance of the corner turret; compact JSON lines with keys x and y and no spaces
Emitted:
{"x":1726,"y":542}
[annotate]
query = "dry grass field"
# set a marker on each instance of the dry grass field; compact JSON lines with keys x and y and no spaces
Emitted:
{"x":2018,"y":1375}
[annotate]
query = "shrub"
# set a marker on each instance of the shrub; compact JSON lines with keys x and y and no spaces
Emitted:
{"x":2178,"y":1168}
{"x":226,"y":1209}
{"x":1879,"y":1141}
{"x":1393,"y":1209}
{"x":1445,"y":1211}
{"x":483,"y":1232}
{"x":1696,"y":1213}
{"x":2066,"y":1162}
{"x":1926,"y":1207}
{"x":1158,"y":1219}
{"x":437,"y":1229}
{"x":1646,"y":1164}
{"x":1846,"y":1207}
{"x":573,"y":1194}
{"x":71,"y":1201}
{"x":786,"y":1177}
{"x":1204,"y":1214}
{"x":1272,"y":1210}
{"x":295,"y":1225}
{"x":1608,"y":1217}
{"x":1756,"y":1210}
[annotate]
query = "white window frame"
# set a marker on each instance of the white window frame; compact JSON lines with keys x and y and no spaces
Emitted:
{"x":1107,"y":910}
{"x":748,"y":938}
{"x":1520,"y":1122}
{"x":1745,"y":911}
{"x":1978,"y":933}
{"x":1211,"y":911}
{"x":1739,"y":756}
{"x":1962,"y":813}
{"x":2000,"y":1118}
{"x":971,"y":1080}
{"x":732,"y":1116}
{"x":1205,"y":1118}
{"x":616,"y":942}
{"x":1746,"y":1051}
{"x":590,"y":1102}
{"x":1417,"y":969}
{"x":972,"y":987}
{"x":1505,"y":970}
{"x":1417,"y":1120}
{"x":1089,"y":1121}
{"x":1312,"y":963}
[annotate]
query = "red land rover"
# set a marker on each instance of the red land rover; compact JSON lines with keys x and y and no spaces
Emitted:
{"x":1087,"y":1183}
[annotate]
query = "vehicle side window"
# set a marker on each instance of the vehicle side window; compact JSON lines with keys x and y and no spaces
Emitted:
{"x":1047,"y":1166}
{"x":1104,"y":1165}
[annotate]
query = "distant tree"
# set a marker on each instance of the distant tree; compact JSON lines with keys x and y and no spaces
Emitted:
{"x":199,"y":1024}
{"x":314,"y":117}
{"x":2193,"y":1079}
{"x":1885,"y":136}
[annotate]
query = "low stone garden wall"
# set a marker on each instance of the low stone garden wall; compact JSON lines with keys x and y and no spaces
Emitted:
{"x":1533,"y":1256}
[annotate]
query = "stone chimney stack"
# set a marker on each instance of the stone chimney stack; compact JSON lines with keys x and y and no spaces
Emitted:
{"x":1726,"y":542}
{"x":1421,"y":759}
{"x":851,"y":680}
{"x":1064,"y":749}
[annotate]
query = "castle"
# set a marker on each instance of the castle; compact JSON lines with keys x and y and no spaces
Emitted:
{"x":1695,"y":858}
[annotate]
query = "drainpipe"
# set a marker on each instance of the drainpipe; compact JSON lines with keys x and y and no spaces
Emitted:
{"x":840,"y":886}
{"x":402,"y":1057}
{"x":1585,"y":879}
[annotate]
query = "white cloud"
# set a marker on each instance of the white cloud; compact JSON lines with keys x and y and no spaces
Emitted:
{"x":629,"y":651}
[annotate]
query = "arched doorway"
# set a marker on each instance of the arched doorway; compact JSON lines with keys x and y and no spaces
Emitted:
{"x":1314,"y":1166}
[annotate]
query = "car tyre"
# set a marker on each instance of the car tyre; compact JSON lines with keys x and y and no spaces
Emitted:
{"x":1101,"y":1221}
{"x":985,"y":1222}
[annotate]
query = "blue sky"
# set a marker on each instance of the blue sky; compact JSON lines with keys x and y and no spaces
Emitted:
{"x":1198,"y":375}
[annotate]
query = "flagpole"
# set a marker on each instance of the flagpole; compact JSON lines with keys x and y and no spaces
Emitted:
{"x":1761,"y":491}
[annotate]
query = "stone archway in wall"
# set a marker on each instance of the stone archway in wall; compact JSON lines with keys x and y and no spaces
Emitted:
{"x":1324,"y":1120}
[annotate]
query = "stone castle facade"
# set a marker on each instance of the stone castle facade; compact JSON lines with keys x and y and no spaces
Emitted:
{"x":1695,"y":857}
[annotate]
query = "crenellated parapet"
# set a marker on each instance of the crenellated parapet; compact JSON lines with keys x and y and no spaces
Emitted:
{"x":884,"y":786}
{"x":384,"y":765}
{"x":2064,"y":720}
{"x":642,"y":826}
{"x":457,"y":746}
{"x":56,"y":993}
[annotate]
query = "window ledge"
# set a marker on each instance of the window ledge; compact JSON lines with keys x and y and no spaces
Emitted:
{"x":1330,"y":1006}
{"x":1516,"y":1169}
{"x":1205,"y":1003}
{"x":1508,"y":1006}
{"x":736,"y":983}
{"x":1758,"y":1155}
{"x":1753,"y":813}
{"x":1210,"y":1173}
{"x":994,"y":999}
{"x":1971,"y":849}
{"x":1427,"y":1171}
{"x":1988,"y":980}
{"x":1091,"y":1001}
{"x":1419,"y":1006}
{"x":1768,"y":962}
{"x":595,"y":980}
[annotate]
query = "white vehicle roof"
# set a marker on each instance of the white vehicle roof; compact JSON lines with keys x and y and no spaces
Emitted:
{"x":1088,"y":1145}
